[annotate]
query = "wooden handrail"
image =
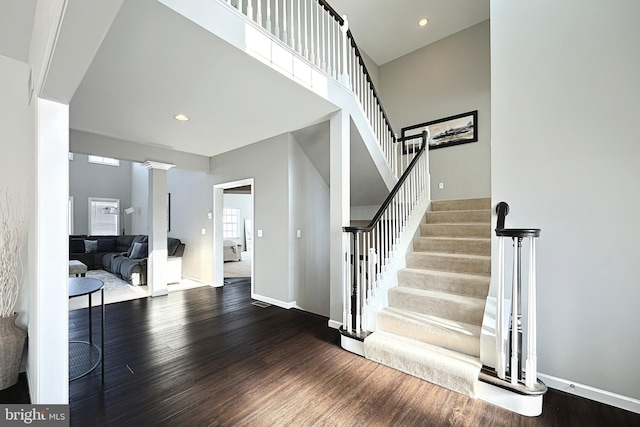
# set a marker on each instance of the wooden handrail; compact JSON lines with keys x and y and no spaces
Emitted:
{"x":394,"y":191}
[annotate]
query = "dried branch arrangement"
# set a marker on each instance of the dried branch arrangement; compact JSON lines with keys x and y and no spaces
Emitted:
{"x":11,"y":223}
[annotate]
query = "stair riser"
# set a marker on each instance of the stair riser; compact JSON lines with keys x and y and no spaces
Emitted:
{"x":482,"y":231}
{"x":453,"y":246}
{"x":479,"y":266}
{"x":467,"y":204}
{"x":468,"y":311}
{"x":440,"y":217}
{"x":431,"y":334}
{"x":473,"y":287}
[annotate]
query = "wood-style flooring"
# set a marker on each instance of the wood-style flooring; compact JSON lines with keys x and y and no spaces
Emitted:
{"x":208,"y":357}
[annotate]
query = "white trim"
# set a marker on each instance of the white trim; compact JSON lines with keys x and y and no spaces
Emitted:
{"x":204,"y":282}
{"x":334,"y":324}
{"x":592,"y":393}
{"x":149,"y":164}
{"x":530,"y":406}
{"x":278,"y":303}
{"x":353,"y":345}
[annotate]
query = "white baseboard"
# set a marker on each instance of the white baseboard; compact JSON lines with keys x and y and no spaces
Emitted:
{"x":592,"y":393}
{"x":272,"y":301}
{"x":204,"y":282}
{"x":335,"y":324}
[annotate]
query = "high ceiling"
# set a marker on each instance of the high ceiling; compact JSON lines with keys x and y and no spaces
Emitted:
{"x":388,"y":29}
{"x":154,"y":64}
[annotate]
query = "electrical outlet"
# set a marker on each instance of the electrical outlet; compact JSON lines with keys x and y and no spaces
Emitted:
{"x":441,"y":185}
{"x":259,"y":233}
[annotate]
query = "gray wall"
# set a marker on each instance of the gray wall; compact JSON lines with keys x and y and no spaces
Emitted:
{"x":191,"y":201}
{"x":565,"y":157}
{"x":267,"y":163}
{"x":449,"y":77}
{"x":309,"y":213}
{"x":93,"y":180}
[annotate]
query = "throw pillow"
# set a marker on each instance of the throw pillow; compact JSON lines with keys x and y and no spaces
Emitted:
{"x":139,"y":251}
{"x":76,"y":246}
{"x":90,"y":246}
{"x":106,"y":245}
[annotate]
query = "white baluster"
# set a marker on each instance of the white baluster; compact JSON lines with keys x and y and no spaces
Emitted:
{"x":277,"y":25}
{"x":312,"y":33}
{"x":345,"y":40}
{"x":285,"y":36}
{"x":334,"y":49}
{"x":500,"y":340}
{"x":532,"y":358}
{"x":240,"y":5}
{"x":346,"y":310}
{"x":268,"y":22}
{"x":299,"y":48}
{"x":259,"y":14}
{"x":292,"y":32}
{"x":306,"y":30}
{"x":514,"y":317}
{"x":249,"y":9}
{"x":323,"y":54}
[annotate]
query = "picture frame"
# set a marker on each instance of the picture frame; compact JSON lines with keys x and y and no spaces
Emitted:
{"x":446,"y":132}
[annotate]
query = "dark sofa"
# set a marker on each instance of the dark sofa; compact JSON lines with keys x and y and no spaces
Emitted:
{"x":124,"y":256}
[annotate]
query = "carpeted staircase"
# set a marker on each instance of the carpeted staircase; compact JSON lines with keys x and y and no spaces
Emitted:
{"x":431,"y":328}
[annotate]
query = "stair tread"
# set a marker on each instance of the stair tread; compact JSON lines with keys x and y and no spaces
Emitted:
{"x":462,"y":239}
{"x":462,"y":276}
{"x":454,"y":326}
{"x":447,"y":368}
{"x":446,"y":333}
{"x":439,"y":295}
{"x":450,"y":255}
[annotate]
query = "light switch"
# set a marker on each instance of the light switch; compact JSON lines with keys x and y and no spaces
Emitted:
{"x":298,"y":234}
{"x":259,"y":233}
{"x":204,"y":231}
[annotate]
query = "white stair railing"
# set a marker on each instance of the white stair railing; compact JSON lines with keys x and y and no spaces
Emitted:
{"x":509,"y":356}
{"x":313,"y":30}
{"x":373,"y":250}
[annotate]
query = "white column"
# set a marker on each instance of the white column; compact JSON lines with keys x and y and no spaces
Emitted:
{"x":340,"y":212}
{"x":48,"y":341}
{"x":158,"y":225}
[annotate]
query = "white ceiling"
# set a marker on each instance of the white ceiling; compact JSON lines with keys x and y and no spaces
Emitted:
{"x":388,"y":29}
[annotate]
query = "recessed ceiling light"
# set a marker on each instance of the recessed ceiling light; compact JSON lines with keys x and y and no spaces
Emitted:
{"x":423,"y":22}
{"x":181,"y":117}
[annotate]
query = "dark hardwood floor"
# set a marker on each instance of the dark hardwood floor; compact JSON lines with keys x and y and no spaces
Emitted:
{"x":208,"y":357}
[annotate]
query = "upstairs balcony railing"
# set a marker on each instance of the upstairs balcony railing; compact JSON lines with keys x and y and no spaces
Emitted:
{"x":318,"y":34}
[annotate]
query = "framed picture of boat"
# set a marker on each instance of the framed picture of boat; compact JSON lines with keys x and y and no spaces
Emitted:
{"x":447,"y":132}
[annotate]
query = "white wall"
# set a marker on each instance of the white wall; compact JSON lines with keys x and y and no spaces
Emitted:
{"x":242,"y":202}
{"x":16,"y":162}
{"x":139,"y":199}
{"x":449,"y":77}
{"x":102,"y":181}
{"x":565,"y":157}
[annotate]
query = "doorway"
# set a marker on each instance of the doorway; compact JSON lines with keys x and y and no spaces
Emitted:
{"x":233,"y":219}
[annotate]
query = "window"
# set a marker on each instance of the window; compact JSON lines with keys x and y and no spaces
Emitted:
{"x":230,"y":219}
{"x":104,"y":217}
{"x":104,"y":161}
